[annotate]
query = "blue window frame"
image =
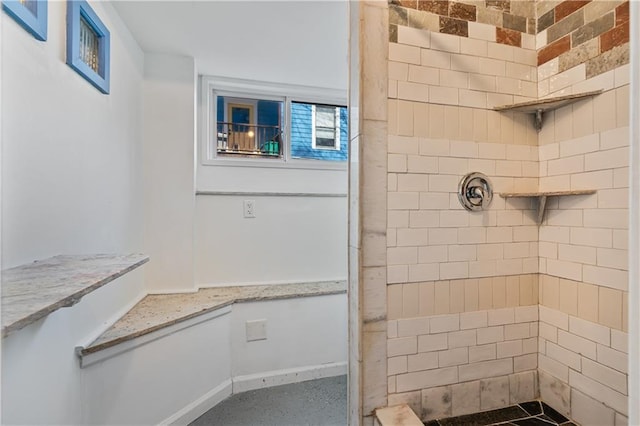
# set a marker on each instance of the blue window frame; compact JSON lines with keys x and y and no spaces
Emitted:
{"x":88,"y":44}
{"x":30,"y":14}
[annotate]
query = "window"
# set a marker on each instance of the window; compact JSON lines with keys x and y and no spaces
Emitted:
{"x":267,"y":124}
{"x":249,"y":127}
{"x":30,"y":14}
{"x":88,"y":44}
{"x":318,"y":132}
{"x":326,"y":127}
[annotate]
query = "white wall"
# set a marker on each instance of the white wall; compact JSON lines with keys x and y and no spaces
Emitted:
{"x":301,"y":332}
{"x":299,"y":238}
{"x":72,"y":183}
{"x":41,"y":378}
{"x":167,"y":379}
{"x":71,"y":173}
{"x":291,"y":239}
{"x":169,"y":111}
{"x":177,"y":377}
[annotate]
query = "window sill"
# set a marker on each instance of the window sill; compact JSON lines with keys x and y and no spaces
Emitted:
{"x":277,"y":163}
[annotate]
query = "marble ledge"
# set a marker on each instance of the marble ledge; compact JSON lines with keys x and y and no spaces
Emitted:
{"x":32,"y":291}
{"x":398,"y":415}
{"x":158,"y":311}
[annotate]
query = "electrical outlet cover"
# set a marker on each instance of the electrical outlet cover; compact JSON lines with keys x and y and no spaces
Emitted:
{"x":256,"y":330}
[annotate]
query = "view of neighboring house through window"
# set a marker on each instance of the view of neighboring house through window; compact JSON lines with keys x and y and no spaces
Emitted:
{"x":326,"y":127}
{"x":276,"y":122}
{"x":249,"y":127}
{"x":318,"y":132}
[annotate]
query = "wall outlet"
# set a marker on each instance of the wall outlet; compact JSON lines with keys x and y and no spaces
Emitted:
{"x":249,"y":208}
{"x":256,"y":330}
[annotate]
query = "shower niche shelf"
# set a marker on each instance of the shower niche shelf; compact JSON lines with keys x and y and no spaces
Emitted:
{"x":539,"y":107}
{"x":542,"y":198}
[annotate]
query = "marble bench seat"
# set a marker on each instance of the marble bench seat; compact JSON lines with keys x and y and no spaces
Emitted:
{"x":31,"y":292}
{"x":161,"y":311}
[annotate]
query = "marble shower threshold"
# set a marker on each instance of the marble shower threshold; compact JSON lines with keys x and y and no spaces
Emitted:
{"x":532,"y":413}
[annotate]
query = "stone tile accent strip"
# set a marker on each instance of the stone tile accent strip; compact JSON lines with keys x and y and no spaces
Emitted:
{"x":33,"y":291}
{"x":608,"y":61}
{"x":592,"y":29}
{"x":546,"y":20}
{"x":579,"y":55}
{"x":452,"y":17}
{"x":454,"y":26}
{"x":554,"y":50}
{"x":439,"y":7}
{"x":510,"y":37}
{"x":567,"y":7}
{"x":602,"y":25}
{"x":622,"y":13}
{"x":615,"y":37}
{"x":566,"y":26}
{"x":466,"y":12}
{"x":504,"y":5}
{"x":513,"y":22}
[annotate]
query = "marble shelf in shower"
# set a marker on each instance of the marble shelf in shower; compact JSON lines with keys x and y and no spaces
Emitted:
{"x":541,"y":106}
{"x":542,"y":196}
{"x":31,"y":292}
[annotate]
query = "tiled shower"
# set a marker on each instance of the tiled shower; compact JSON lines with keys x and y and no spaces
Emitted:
{"x":488,"y":309}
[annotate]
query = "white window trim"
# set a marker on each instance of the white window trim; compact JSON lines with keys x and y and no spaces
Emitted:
{"x":211,"y":86}
{"x":336,"y":145}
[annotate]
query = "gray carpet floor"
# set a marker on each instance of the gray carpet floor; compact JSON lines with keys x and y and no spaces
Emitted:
{"x":321,"y":402}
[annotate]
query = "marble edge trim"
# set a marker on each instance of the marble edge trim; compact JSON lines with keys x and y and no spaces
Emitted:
{"x":67,"y":301}
{"x":109,"y":343}
{"x":93,"y":349}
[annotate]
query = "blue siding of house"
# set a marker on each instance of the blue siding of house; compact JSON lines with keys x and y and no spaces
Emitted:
{"x":220,"y":109}
{"x":301,"y":146}
{"x":269,"y":113}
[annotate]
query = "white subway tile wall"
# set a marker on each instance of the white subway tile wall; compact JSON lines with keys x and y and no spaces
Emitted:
{"x":465,"y":290}
{"x":588,"y":358}
{"x":482,"y":367}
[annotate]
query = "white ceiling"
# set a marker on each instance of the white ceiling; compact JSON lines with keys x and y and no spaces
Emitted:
{"x":301,"y":42}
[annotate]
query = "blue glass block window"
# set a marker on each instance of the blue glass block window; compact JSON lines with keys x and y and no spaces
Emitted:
{"x":88,"y":44}
{"x":30,"y":14}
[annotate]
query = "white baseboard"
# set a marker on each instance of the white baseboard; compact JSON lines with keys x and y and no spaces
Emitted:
{"x":287,"y":376}
{"x":201,"y":405}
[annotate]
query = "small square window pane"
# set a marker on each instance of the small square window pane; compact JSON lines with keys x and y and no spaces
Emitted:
{"x":319,"y":132}
{"x":31,"y":6}
{"x":249,"y":127}
{"x":325,"y":116}
{"x":89,"y":46}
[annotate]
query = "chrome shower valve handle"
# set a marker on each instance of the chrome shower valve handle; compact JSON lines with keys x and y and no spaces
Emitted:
{"x":475,"y":191}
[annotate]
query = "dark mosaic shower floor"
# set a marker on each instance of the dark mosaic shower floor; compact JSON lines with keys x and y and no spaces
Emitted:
{"x":533,"y":413}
